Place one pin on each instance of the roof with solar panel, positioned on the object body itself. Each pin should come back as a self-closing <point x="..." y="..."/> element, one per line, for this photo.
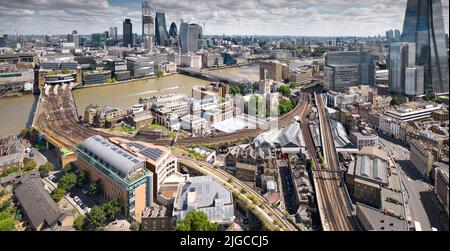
<point x="120" y="161"/>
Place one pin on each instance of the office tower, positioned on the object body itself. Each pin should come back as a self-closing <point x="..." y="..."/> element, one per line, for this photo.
<point x="127" y="33"/>
<point x="122" y="175"/>
<point x="188" y="37"/>
<point x="397" y="36"/>
<point x="113" y="32"/>
<point x="148" y="30"/>
<point x="98" y="39"/>
<point x="424" y="26"/>
<point x="173" y="31"/>
<point x="274" y="70"/>
<point x="161" y="29"/>
<point x="74" y="38"/>
<point x="389" y="36"/>
<point x="404" y="75"/>
<point x="348" y="68"/>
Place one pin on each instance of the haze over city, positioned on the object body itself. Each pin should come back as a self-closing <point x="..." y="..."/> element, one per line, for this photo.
<point x="230" y="17"/>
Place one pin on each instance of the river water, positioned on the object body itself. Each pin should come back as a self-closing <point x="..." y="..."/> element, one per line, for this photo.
<point x="15" y="112"/>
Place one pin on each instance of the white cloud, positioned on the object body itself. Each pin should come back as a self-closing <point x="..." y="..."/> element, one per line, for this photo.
<point x="276" y="17"/>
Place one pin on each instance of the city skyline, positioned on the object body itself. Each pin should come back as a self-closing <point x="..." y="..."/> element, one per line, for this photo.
<point x="259" y="17"/>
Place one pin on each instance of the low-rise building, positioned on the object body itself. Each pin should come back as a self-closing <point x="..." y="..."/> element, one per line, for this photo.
<point x="208" y="154"/>
<point x="10" y="152"/>
<point x="38" y="206"/>
<point x="96" y="77"/>
<point x="158" y="159"/>
<point x="204" y="194"/>
<point x="366" y="175"/>
<point x="361" y="139"/>
<point x="421" y="157"/>
<point x="121" y="173"/>
<point x="191" y="61"/>
<point x="441" y="185"/>
<point x="139" y="120"/>
<point x="140" y="66"/>
<point x="108" y="117"/>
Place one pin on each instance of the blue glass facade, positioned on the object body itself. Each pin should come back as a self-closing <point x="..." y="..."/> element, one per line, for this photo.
<point x="424" y="25"/>
<point x="161" y="29"/>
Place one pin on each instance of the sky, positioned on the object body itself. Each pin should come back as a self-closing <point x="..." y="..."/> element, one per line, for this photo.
<point x="231" y="17"/>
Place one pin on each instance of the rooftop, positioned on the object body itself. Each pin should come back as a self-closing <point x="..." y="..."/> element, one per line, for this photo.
<point x="117" y="159"/>
<point x="36" y="202"/>
<point x="207" y="195"/>
<point x="380" y="221"/>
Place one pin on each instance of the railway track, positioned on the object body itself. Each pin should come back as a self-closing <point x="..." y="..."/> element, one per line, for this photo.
<point x="338" y="214"/>
<point x="241" y="185"/>
<point x="57" y="119"/>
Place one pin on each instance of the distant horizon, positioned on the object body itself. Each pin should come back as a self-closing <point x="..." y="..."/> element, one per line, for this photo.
<point x="319" y="18"/>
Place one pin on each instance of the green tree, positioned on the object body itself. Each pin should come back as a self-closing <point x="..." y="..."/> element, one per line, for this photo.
<point x="45" y="169"/>
<point x="285" y="106"/>
<point x="68" y="181"/>
<point x="196" y="221"/>
<point x="159" y="73"/>
<point x="284" y="90"/>
<point x="111" y="209"/>
<point x="68" y="168"/>
<point x="29" y="164"/>
<point x="10" y="170"/>
<point x="96" y="217"/>
<point x="58" y="194"/>
<point x="235" y="90"/>
<point x="82" y="179"/>
<point x="79" y="223"/>
<point x="7" y="224"/>
<point x="95" y="188"/>
<point x="135" y="226"/>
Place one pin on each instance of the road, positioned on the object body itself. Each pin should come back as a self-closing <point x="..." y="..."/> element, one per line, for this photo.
<point x="422" y="205"/>
<point x="336" y="207"/>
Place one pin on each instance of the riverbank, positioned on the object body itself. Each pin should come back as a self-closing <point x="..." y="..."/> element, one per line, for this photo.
<point x="125" y="81"/>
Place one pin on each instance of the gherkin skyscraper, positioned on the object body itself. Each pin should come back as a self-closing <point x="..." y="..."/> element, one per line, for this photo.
<point x="424" y="26"/>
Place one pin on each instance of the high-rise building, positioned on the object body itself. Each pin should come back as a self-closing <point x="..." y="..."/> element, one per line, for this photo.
<point x="74" y="38"/>
<point x="405" y="77"/>
<point x="173" y="31"/>
<point x="424" y="26"/>
<point x="113" y="33"/>
<point x="148" y="28"/>
<point x="389" y="36"/>
<point x="348" y="68"/>
<point x="161" y="29"/>
<point x="188" y="37"/>
<point x="127" y="33"/>
<point x="98" y="39"/>
<point x="397" y="36"/>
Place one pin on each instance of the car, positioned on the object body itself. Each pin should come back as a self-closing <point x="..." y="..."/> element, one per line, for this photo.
<point x="76" y="198"/>
<point x="83" y="206"/>
<point x="72" y="195"/>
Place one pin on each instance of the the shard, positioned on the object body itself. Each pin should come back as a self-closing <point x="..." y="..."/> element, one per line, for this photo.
<point x="424" y="25"/>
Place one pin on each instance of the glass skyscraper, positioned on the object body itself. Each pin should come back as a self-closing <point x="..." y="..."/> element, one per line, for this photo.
<point x="148" y="30"/>
<point x="348" y="68"/>
<point x="173" y="31"/>
<point x="189" y="35"/>
<point x="127" y="33"/>
<point x="161" y="29"/>
<point x="424" y="26"/>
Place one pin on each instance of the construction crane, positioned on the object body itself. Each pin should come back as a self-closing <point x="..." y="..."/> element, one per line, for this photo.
<point x="204" y="23"/>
